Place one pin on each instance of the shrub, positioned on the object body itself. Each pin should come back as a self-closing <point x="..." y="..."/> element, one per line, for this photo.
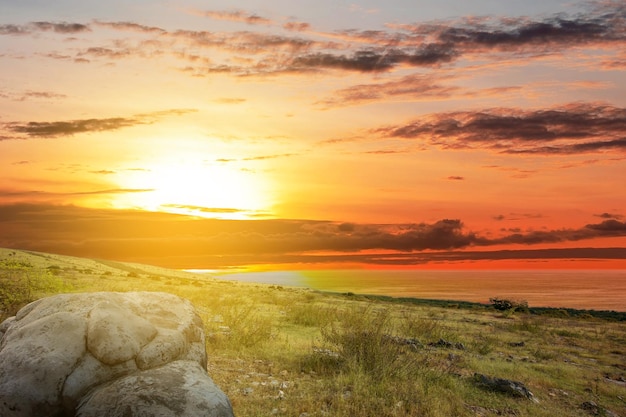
<point x="364" y="339"/>
<point x="422" y="328"/>
<point x="246" y="328"/>
<point x="504" y="304"/>
<point x="310" y="314"/>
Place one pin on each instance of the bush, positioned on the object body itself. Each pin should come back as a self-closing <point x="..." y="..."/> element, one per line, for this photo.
<point x="504" y="304"/>
<point x="310" y="314"/>
<point x="243" y="327"/>
<point x="364" y="340"/>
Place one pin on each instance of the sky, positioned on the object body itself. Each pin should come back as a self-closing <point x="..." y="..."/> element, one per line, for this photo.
<point x="306" y="135"/>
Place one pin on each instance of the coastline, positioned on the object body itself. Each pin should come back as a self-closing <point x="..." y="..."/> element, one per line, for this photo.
<point x="581" y="290"/>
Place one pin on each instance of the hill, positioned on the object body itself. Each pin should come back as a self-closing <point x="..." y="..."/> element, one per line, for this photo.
<point x="297" y="352"/>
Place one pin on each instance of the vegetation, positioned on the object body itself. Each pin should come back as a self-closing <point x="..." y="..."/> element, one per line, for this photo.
<point x="504" y="304"/>
<point x="21" y="283"/>
<point x="295" y="352"/>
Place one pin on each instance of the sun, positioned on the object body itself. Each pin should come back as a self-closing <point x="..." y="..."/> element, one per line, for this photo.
<point x="188" y="186"/>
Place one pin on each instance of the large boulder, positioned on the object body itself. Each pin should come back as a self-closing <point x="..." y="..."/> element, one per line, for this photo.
<point x="113" y="354"/>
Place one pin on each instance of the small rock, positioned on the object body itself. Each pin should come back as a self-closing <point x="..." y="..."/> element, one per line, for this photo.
<point x="595" y="410"/>
<point x="445" y="344"/>
<point x="506" y="386"/>
<point x="413" y="343"/>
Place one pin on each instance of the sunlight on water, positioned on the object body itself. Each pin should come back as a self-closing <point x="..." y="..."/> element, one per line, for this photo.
<point x="583" y="289"/>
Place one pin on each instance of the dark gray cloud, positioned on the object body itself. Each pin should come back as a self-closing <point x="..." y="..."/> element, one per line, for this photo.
<point x="61" y="27"/>
<point x="10" y="29"/>
<point x="573" y="128"/>
<point x="377" y="60"/>
<point x="101" y="52"/>
<point x="57" y="27"/>
<point x="73" y="127"/>
<point x="430" y="44"/>
<point x="607" y="228"/>
<point x="130" y="26"/>
<point x="617" y="144"/>
<point x="68" y="128"/>
<point x="507" y="33"/>
<point x="31" y="95"/>
<point x="606" y="215"/>
<point x="42" y="95"/>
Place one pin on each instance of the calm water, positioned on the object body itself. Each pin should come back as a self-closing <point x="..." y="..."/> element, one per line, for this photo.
<point x="582" y="289"/>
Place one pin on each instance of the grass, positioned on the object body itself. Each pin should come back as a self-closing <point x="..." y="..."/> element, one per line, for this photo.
<point x="296" y="352"/>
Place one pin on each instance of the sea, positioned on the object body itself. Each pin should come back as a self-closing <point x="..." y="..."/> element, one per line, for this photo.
<point x="578" y="289"/>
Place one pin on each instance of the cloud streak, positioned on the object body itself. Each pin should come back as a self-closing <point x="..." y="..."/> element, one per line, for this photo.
<point x="74" y="127"/>
<point x="56" y="27"/>
<point x="569" y="129"/>
<point x="415" y="87"/>
<point x="236" y="16"/>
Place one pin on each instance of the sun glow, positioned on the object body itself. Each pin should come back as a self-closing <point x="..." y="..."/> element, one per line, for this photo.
<point x="197" y="188"/>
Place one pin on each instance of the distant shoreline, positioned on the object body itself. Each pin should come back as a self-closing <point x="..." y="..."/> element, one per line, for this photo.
<point x="563" y="312"/>
<point x="582" y="291"/>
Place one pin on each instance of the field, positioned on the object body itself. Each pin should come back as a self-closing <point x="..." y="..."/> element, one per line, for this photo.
<point x="287" y="351"/>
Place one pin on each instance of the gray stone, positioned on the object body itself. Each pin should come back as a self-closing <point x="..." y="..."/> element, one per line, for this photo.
<point x="89" y="373"/>
<point x="35" y="361"/>
<point x="506" y="386"/>
<point x="166" y="347"/>
<point x="131" y="354"/>
<point x="180" y="388"/>
<point x="4" y="326"/>
<point x="116" y="335"/>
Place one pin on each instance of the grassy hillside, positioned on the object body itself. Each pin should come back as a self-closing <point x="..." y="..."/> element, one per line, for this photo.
<point x="296" y="352"/>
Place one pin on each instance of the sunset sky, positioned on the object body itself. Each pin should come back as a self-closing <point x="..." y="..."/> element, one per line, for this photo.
<point x="312" y="134"/>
